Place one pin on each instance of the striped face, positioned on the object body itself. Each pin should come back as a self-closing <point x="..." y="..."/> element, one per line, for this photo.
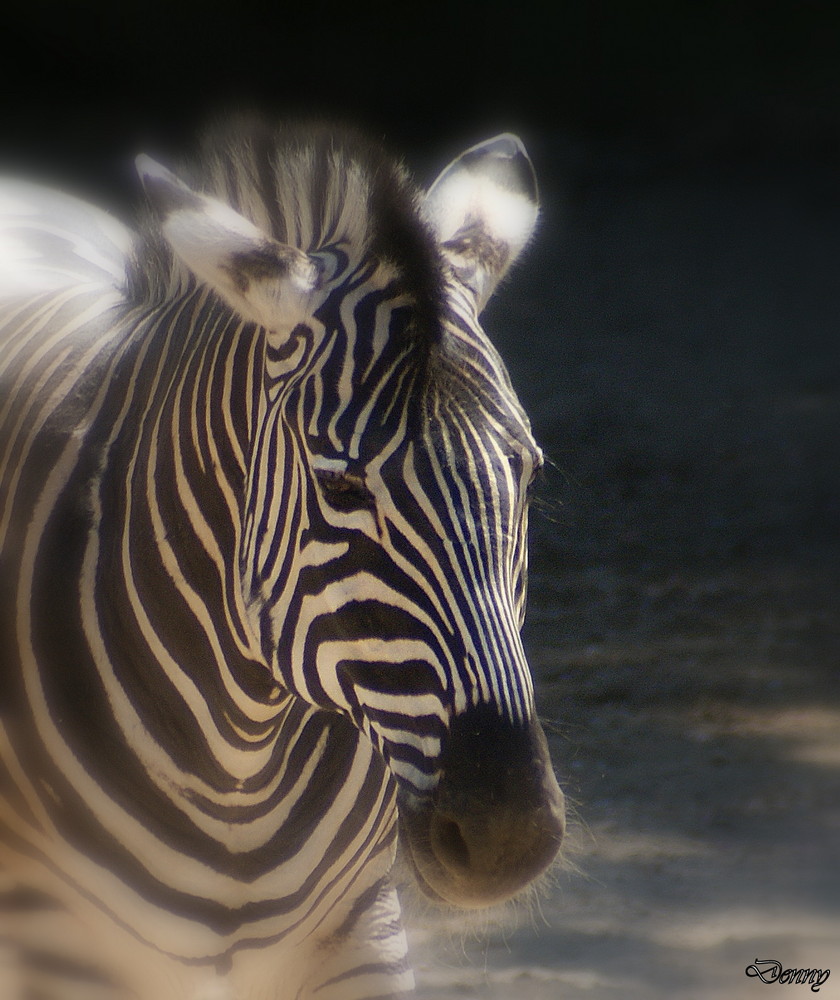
<point x="402" y="601"/>
<point x="383" y="550"/>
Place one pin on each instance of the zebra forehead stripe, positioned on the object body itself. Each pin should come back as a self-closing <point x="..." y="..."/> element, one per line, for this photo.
<point x="314" y="188"/>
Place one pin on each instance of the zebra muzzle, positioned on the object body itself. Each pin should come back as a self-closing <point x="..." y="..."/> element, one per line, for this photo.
<point x="496" y="818"/>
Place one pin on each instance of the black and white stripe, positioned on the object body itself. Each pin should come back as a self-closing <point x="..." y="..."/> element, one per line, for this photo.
<point x="264" y="497"/>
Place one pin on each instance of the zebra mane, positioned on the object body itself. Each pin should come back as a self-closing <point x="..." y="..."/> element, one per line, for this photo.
<point x="308" y="186"/>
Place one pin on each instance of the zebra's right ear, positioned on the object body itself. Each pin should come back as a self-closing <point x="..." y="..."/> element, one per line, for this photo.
<point x="265" y="281"/>
<point x="483" y="210"/>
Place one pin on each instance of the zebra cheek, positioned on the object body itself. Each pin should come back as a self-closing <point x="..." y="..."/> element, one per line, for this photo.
<point x="401" y="708"/>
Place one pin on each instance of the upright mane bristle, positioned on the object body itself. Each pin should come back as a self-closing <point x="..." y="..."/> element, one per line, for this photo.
<point x="312" y="186"/>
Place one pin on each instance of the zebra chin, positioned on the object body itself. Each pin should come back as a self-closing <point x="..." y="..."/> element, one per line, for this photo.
<point x="495" y="820"/>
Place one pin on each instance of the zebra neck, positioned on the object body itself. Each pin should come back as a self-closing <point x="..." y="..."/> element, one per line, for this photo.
<point x="172" y="497"/>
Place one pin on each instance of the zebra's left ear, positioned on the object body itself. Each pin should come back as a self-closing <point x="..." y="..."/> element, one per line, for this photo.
<point x="483" y="210"/>
<point x="265" y="281"/>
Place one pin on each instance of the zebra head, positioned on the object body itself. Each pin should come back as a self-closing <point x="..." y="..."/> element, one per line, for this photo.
<point x="383" y="541"/>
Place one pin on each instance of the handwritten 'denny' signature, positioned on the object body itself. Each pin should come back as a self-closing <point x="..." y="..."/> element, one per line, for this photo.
<point x="768" y="970"/>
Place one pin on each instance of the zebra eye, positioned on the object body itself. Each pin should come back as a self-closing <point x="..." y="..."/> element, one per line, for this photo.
<point x="344" y="491"/>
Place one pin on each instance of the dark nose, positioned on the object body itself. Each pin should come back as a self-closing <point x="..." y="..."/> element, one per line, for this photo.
<point x="496" y="818"/>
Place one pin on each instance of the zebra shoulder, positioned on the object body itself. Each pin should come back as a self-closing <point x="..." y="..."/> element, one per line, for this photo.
<point x="51" y="240"/>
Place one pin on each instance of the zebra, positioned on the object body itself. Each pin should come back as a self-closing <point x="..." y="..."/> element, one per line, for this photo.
<point x="265" y="484"/>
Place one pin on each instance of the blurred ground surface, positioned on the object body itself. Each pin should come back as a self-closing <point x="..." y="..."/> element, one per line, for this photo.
<point x="674" y="336"/>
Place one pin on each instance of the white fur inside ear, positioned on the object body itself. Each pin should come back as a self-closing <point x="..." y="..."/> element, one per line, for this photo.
<point x="266" y="282"/>
<point x="203" y="241"/>
<point x="457" y="201"/>
<point x="226" y="219"/>
<point x="483" y="209"/>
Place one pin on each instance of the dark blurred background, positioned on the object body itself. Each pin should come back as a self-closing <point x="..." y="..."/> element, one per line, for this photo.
<point x="85" y="83"/>
<point x="673" y="329"/>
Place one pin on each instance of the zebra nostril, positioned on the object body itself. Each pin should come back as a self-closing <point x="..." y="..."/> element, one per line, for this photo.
<point x="448" y="844"/>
